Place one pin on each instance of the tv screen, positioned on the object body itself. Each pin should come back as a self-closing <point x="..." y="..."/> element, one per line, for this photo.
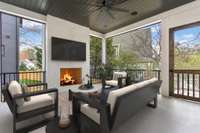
<point x="68" y="50"/>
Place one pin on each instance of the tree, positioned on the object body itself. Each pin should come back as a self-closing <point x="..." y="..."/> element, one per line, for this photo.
<point x="31" y="54"/>
<point x="187" y="53"/>
<point x="135" y="48"/>
<point x="95" y="53"/>
<point x="147" y="44"/>
<point x="31" y="38"/>
<point x="110" y="52"/>
<point x="39" y="57"/>
<point x="23" y="67"/>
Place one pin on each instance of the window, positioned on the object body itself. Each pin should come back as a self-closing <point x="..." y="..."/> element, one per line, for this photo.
<point x="137" y="49"/>
<point x="22" y="49"/>
<point x="31" y="45"/>
<point x="187" y="48"/>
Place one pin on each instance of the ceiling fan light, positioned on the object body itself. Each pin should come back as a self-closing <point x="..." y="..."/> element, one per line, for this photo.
<point x="134" y="13"/>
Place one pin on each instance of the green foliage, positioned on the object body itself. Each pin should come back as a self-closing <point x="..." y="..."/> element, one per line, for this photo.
<point x="95" y="54"/>
<point x="23" y="67"/>
<point x="29" y="81"/>
<point x="190" y="61"/>
<point x="31" y="54"/>
<point x="39" y="57"/>
<point x="95" y="51"/>
<point x="123" y="61"/>
<point x="110" y="52"/>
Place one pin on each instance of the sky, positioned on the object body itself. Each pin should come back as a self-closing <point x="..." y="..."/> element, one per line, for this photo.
<point x="191" y="35"/>
<point x="32" y="32"/>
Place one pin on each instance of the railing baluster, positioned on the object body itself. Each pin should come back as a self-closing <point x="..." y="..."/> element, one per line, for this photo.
<point x="188" y="84"/>
<point x="34" y="77"/>
<point x="21" y="77"/>
<point x="199" y="85"/>
<point x="193" y="84"/>
<point x="38" y="77"/>
<point x="183" y="84"/>
<point x="1" y="89"/>
<point x="178" y="83"/>
<point x="4" y="78"/>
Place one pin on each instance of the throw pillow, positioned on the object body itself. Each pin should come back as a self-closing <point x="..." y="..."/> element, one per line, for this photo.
<point x="25" y="90"/>
<point x="15" y="89"/>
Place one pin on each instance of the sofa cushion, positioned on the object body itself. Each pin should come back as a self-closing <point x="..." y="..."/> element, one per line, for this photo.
<point x="35" y="103"/>
<point x="112" y="82"/>
<point x="115" y="82"/>
<point x="113" y="95"/>
<point x="90" y="112"/>
<point x="15" y="89"/>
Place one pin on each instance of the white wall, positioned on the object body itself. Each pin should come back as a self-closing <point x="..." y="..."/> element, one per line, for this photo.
<point x="64" y="29"/>
<point x="186" y="14"/>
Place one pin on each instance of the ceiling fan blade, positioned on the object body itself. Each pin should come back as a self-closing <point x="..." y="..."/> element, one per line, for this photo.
<point x="95" y="10"/>
<point x="110" y="14"/>
<point x="87" y="3"/>
<point x="98" y="15"/>
<point x="119" y="9"/>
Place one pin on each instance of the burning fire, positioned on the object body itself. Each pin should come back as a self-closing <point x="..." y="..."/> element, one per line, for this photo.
<point x="67" y="78"/>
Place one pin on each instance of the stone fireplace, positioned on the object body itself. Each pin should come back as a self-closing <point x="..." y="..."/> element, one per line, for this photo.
<point x="70" y="76"/>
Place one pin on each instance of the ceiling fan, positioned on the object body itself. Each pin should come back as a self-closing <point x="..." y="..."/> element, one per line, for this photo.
<point x="108" y="6"/>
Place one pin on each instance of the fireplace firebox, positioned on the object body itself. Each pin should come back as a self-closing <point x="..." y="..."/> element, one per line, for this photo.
<point x="70" y="76"/>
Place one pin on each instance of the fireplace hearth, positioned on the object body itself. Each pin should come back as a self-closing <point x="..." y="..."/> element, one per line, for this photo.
<point x="70" y="76"/>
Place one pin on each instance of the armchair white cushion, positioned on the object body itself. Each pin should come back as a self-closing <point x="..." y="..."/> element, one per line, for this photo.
<point x="112" y="82"/>
<point x="116" y="75"/>
<point x="15" y="89"/>
<point x="35" y="103"/>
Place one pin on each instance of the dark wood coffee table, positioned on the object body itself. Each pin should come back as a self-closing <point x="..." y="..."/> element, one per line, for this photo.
<point x="52" y="127"/>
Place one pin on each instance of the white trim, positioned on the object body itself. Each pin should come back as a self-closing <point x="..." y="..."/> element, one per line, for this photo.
<point x="22" y="16"/>
<point x="103" y="56"/>
<point x="96" y="36"/>
<point x="21" y="12"/>
<point x="136" y="28"/>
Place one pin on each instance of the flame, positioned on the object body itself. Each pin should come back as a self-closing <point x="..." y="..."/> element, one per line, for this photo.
<point x="67" y="76"/>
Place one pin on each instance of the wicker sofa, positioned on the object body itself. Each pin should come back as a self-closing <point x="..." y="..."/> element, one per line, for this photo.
<point x="93" y="116"/>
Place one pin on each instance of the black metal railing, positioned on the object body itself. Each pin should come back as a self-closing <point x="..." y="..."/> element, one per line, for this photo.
<point x="29" y="78"/>
<point x="135" y="74"/>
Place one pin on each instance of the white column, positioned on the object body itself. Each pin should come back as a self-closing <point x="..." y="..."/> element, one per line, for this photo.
<point x="104" y="50"/>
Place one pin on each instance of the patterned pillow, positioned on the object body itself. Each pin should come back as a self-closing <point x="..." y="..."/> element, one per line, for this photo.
<point x="15" y="89"/>
<point x="25" y="90"/>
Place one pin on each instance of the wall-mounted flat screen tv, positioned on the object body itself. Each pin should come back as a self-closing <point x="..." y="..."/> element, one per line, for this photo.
<point x="68" y="50"/>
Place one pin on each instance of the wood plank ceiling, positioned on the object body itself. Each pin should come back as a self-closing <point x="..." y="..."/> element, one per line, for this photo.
<point x="84" y="12"/>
